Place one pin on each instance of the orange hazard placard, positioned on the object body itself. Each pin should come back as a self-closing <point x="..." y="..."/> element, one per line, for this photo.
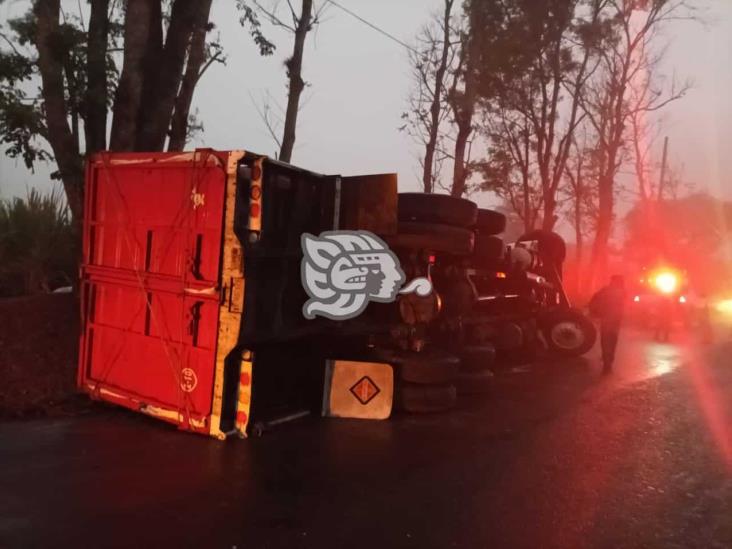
<point x="358" y="389"/>
<point x="365" y="390"/>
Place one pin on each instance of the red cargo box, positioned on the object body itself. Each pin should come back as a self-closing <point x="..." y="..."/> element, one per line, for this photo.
<point x="166" y="236"/>
<point x="162" y="288"/>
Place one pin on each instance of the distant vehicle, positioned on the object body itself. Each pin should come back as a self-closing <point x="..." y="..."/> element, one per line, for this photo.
<point x="662" y="290"/>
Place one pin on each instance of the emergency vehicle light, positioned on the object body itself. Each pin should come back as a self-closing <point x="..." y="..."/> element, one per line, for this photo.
<point x="666" y="282"/>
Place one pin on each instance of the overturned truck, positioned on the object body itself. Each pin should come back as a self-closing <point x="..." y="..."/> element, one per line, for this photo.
<point x="500" y="302"/>
<point x="195" y="311"/>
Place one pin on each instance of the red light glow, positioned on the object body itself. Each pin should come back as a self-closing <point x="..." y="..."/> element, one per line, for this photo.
<point x="666" y="281"/>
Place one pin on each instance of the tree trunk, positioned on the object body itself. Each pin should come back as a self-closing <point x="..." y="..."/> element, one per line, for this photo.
<point x="140" y="23"/>
<point x="578" y="236"/>
<point x="196" y="58"/>
<point x="163" y="79"/>
<point x="436" y="106"/>
<point x="466" y="105"/>
<point x="50" y="66"/>
<point x="95" y="119"/>
<point x="604" y="228"/>
<point x="295" y="84"/>
<point x="72" y="101"/>
<point x="550" y="208"/>
<point x="460" y="171"/>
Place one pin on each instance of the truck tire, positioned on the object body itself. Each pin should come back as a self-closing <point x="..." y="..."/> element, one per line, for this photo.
<point x="568" y="333"/>
<point x="425" y="399"/>
<point x="510" y="336"/>
<point x="488" y="251"/>
<point x="527" y="352"/>
<point x="475" y="383"/>
<point x="436" y="208"/>
<point x="432" y="237"/>
<point x="477" y="358"/>
<point x="424" y="369"/>
<point x="490" y="222"/>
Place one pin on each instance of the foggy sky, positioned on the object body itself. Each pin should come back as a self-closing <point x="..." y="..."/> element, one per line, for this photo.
<point x="359" y="82"/>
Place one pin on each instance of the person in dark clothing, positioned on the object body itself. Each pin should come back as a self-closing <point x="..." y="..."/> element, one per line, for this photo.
<point x="705" y="321"/>
<point x="608" y="306"/>
<point x="664" y="318"/>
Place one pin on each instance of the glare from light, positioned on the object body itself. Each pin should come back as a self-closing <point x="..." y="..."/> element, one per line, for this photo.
<point x="682" y="299"/>
<point x="637" y="299"/>
<point x="724" y="307"/>
<point x="662" y="367"/>
<point x="667" y="282"/>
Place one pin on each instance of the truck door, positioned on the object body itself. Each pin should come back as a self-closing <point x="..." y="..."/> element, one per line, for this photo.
<point x="150" y="288"/>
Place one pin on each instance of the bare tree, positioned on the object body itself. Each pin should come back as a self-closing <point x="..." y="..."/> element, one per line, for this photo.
<point x="299" y="24"/>
<point x="437" y="49"/>
<point x="579" y="193"/>
<point x="201" y="55"/>
<point x="621" y="92"/>
<point x="579" y="201"/>
<point x="270" y="117"/>
<point x="534" y="67"/>
<point x="437" y="91"/>
<point x="511" y="171"/>
<point x="462" y="96"/>
<point x="563" y="64"/>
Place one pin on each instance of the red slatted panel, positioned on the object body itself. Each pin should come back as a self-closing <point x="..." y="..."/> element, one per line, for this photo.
<point x="152" y="237"/>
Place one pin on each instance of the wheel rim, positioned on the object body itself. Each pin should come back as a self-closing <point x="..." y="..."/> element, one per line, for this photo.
<point x="567" y="335"/>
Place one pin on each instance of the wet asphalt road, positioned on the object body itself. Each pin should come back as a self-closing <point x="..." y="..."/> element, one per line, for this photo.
<point x="558" y="456"/>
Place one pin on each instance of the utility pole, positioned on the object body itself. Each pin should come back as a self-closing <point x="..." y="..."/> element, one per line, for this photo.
<point x="663" y="169"/>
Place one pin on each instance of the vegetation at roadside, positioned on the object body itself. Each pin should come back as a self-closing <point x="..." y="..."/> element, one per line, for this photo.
<point x="38" y="248"/>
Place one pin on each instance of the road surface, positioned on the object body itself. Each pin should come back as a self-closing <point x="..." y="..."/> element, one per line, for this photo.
<point x="558" y="456"/>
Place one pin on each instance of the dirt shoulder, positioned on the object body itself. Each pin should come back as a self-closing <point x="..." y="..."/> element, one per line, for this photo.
<point x="39" y="339"/>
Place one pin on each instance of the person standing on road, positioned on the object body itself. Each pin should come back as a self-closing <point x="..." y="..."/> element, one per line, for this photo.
<point x="705" y="321"/>
<point x="664" y="318"/>
<point x="608" y="306"/>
